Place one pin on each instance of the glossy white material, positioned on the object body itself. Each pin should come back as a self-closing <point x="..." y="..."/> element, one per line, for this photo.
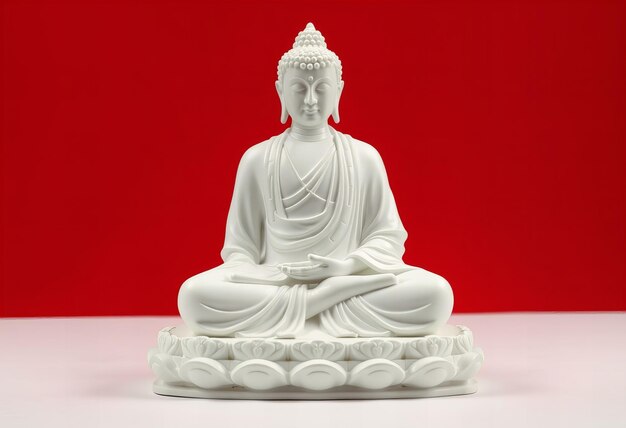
<point x="313" y="248"/>
<point x="315" y="365"/>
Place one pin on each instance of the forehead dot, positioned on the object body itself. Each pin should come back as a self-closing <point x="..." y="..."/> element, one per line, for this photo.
<point x="310" y="78"/>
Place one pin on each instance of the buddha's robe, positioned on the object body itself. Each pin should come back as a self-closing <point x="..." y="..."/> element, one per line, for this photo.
<point x="358" y="218"/>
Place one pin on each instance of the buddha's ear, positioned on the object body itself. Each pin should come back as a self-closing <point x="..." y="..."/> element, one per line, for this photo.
<point x="336" y="109"/>
<point x="283" y="109"/>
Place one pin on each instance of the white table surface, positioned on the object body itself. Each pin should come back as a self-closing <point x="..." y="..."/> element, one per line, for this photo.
<point x="542" y="369"/>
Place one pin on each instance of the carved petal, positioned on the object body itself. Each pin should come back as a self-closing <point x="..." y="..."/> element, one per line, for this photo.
<point x="318" y="375"/>
<point x="429" y="372"/>
<point x="205" y="373"/>
<point x="376" y="348"/>
<point x="317" y="349"/>
<point x="259" y="375"/>
<point x="202" y="346"/>
<point x="376" y="374"/>
<point x="164" y="367"/>
<point x="464" y="342"/>
<point x="168" y="343"/>
<point x="430" y="346"/>
<point x="468" y="365"/>
<point x="259" y="349"/>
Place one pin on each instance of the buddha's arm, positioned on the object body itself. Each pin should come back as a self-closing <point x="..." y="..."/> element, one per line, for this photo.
<point x="244" y="226"/>
<point x="383" y="235"/>
<point x="243" y="243"/>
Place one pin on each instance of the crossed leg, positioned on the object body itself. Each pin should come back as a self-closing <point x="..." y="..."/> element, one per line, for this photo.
<point x="210" y="304"/>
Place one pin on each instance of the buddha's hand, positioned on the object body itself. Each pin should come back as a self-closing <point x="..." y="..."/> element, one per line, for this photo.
<point x="318" y="268"/>
<point x="259" y="274"/>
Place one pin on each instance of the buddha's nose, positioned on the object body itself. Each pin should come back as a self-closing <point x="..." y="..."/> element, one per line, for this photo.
<point x="310" y="98"/>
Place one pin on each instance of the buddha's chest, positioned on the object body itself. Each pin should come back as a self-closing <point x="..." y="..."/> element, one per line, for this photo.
<point x="306" y="179"/>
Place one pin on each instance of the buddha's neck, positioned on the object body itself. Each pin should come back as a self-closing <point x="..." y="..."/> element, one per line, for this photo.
<point x="298" y="133"/>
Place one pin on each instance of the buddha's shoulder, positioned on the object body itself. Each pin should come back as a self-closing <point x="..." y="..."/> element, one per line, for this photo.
<point x="365" y="152"/>
<point x="255" y="154"/>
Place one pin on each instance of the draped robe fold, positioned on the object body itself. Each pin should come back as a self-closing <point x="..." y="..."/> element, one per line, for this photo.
<point x="359" y="219"/>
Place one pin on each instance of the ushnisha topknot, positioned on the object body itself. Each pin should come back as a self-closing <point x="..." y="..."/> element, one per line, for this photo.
<point x="309" y="52"/>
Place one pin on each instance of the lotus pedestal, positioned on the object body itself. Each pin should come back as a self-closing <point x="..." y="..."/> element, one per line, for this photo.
<point x="318" y="367"/>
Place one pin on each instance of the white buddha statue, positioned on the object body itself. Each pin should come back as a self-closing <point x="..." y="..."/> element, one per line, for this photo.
<point x="313" y="240"/>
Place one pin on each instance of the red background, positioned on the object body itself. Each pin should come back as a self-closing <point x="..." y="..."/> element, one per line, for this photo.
<point x="502" y="126"/>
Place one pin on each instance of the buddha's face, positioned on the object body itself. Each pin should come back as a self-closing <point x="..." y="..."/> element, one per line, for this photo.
<point x="310" y="96"/>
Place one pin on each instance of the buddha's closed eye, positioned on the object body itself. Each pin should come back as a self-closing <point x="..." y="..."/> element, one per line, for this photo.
<point x="322" y="87"/>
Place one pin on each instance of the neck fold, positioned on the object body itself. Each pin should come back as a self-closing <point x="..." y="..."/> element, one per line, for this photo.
<point x="309" y="134"/>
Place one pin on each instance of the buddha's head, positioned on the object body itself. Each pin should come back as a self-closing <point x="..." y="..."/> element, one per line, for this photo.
<point x="309" y="81"/>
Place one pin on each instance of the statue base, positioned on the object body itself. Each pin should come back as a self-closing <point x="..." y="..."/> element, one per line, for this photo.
<point x="292" y="393"/>
<point x="315" y="366"/>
